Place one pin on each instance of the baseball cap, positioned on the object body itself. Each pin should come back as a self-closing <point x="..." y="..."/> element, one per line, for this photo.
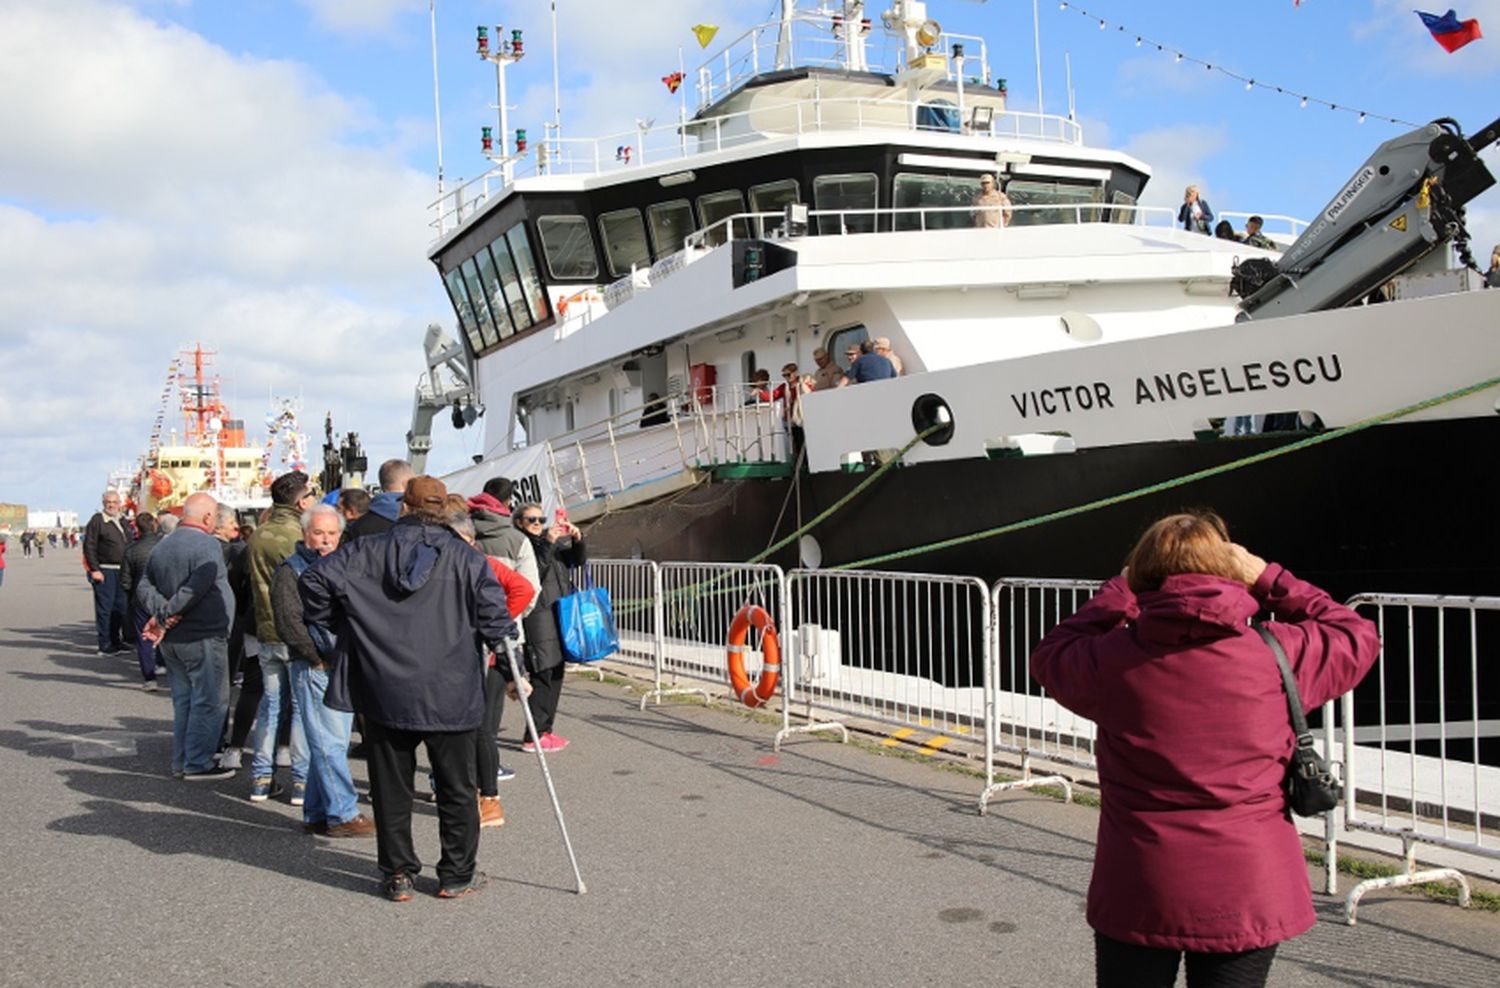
<point x="425" y="492"/>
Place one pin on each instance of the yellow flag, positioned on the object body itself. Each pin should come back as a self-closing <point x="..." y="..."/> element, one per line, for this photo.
<point x="705" y="33"/>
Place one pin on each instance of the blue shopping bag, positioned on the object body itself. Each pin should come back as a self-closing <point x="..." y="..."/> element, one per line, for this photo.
<point x="586" y="618"/>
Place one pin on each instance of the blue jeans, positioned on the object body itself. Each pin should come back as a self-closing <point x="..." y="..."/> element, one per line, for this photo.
<point x="145" y="652"/>
<point x="109" y="610"/>
<point x="200" y="696"/>
<point x="330" y="788"/>
<point x="276" y="676"/>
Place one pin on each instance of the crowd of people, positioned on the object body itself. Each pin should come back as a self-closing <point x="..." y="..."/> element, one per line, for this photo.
<point x="38" y="542"/>
<point x="390" y="609"/>
<point x="382" y="614"/>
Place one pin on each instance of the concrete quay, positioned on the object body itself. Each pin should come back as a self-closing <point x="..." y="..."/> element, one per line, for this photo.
<point x="709" y="859"/>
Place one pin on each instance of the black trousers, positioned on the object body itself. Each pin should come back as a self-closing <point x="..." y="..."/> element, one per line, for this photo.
<point x="1126" y="965"/>
<point x="546" y="691"/>
<point x="392" y="757"/>
<point x="486" y="756"/>
<point x="247" y="705"/>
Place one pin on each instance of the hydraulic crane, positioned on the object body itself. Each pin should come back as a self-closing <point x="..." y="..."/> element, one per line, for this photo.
<point x="1404" y="202"/>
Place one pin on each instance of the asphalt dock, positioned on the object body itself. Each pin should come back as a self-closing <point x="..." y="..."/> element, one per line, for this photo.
<point x="709" y="859"/>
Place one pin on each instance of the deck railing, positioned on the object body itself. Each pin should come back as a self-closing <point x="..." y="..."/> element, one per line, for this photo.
<point x="674" y="140"/>
<point x="710" y="426"/>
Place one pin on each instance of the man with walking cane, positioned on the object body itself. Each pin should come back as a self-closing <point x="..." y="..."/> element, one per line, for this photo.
<point x="414" y="608"/>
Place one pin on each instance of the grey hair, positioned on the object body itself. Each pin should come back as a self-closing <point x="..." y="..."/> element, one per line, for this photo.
<point x="462" y="525"/>
<point x="311" y="515"/>
<point x="166" y="521"/>
<point x="225" y="515"/>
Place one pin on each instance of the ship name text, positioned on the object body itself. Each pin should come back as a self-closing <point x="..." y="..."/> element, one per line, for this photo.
<point x="1205" y="382"/>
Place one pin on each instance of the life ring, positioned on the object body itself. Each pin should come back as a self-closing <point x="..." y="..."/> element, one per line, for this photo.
<point x="759" y="692"/>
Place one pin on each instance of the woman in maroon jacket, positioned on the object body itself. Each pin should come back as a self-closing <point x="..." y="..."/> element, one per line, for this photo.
<point x="1197" y="852"/>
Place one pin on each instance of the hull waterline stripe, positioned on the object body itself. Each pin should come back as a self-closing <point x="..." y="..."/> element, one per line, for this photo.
<point x="1165" y="485"/>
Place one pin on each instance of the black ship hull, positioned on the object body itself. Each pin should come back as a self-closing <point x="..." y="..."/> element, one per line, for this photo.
<point x="1402" y="508"/>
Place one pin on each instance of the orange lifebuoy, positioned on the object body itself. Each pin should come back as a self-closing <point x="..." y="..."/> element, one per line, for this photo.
<point x="759" y="692"/>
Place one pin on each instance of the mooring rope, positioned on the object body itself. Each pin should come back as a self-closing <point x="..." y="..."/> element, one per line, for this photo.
<point x="1165" y="485"/>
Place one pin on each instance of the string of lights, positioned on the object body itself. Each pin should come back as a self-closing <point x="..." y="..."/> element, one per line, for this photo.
<point x="1250" y="82"/>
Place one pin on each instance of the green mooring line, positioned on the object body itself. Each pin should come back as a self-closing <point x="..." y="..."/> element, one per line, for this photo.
<point x="1301" y="444"/>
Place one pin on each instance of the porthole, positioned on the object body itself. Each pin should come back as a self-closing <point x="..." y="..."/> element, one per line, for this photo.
<point x="928" y="411"/>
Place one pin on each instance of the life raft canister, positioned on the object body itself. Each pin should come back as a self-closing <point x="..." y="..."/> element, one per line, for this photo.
<point x="757" y="693"/>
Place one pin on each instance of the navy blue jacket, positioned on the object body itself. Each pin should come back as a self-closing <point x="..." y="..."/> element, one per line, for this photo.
<point x="185" y="576"/>
<point x="413" y="609"/>
<point x="871" y="367"/>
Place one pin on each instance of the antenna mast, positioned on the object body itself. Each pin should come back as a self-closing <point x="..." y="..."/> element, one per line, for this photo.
<point x="437" y="104"/>
<point x="1036" y="31"/>
<point x="556" y="89"/>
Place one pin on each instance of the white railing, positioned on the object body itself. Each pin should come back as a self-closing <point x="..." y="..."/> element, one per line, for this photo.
<point x="1412" y="738"/>
<point x="906" y="219"/>
<point x="904" y="649"/>
<point x="712" y="426"/>
<point x="679" y="140"/>
<point x="697" y="603"/>
<point x="1022" y="719"/>
<point x="947" y="657"/>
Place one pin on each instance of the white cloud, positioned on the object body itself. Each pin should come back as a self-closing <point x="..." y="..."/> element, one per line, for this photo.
<point x="164" y="190"/>
<point x="362" y="16"/>
<point x="1178" y="156"/>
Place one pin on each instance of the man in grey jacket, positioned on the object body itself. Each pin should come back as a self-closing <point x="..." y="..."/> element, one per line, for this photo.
<point x="185" y="592"/>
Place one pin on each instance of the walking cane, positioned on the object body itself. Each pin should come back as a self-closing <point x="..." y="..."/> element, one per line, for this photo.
<point x="511" y="653"/>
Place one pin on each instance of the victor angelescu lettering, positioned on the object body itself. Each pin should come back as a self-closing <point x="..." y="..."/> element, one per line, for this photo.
<point x="1175" y="385"/>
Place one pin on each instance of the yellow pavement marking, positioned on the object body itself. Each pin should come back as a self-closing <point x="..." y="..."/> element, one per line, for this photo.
<point x="897" y="736"/>
<point x="933" y="744"/>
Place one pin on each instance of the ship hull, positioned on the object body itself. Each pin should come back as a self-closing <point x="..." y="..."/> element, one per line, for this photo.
<point x="1400" y="508"/>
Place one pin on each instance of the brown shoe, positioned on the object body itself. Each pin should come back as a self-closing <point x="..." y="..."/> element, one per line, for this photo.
<point x="360" y="826"/>
<point x="490" y="813"/>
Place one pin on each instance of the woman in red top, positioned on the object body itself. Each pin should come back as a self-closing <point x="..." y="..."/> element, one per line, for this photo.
<point x="518" y="594"/>
<point x="1197" y="852"/>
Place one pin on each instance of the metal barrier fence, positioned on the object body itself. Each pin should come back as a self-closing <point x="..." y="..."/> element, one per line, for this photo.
<point x="1021" y="717"/>
<point x="696" y="602"/>
<point x="899" y="648"/>
<point x="633" y="592"/>
<point x="1421" y="736"/>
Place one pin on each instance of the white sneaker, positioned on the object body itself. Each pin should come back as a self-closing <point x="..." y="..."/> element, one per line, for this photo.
<point x="230" y="758"/>
<point x="283" y="756"/>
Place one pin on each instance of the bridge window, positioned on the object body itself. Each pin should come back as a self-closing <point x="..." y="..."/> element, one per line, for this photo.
<point x="531" y="283"/>
<point x="481" y="307"/>
<point x="718" y="206"/>
<point x="670" y="222"/>
<point x="568" y="246"/>
<point x="459" y="294"/>
<point x="624" y="237"/>
<point x="1065" y="197"/>
<point x="514" y="302"/>
<point x="846" y="192"/>
<point x="952" y="195"/>
<point x="772" y="197"/>
<point x="1118" y="198"/>
<point x="494" y="292"/>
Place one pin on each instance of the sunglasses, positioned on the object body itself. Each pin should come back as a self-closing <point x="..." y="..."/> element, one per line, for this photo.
<point x="533" y="520"/>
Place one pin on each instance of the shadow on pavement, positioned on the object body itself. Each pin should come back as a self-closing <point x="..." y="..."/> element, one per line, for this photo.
<point x="954" y="833"/>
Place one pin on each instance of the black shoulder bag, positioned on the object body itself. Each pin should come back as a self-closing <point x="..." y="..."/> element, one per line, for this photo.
<point x="1311" y="788"/>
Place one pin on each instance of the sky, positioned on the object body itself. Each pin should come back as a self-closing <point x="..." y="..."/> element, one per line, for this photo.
<point x="256" y="174"/>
